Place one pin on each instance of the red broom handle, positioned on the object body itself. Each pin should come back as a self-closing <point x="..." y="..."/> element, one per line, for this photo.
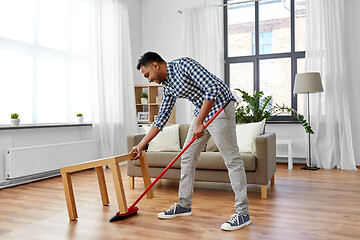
<point x="177" y="157"/>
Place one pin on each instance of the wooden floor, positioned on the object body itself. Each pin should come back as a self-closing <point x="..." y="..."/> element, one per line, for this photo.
<point x="322" y="204"/>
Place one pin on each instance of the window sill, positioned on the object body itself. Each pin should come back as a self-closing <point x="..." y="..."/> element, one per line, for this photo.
<point x="44" y="125"/>
<point x="283" y="122"/>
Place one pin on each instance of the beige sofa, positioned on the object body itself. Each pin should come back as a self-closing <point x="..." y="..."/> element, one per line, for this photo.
<point x="260" y="167"/>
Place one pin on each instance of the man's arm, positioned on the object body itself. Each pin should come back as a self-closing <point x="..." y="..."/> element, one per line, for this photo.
<point x="149" y="136"/>
<point x="163" y="116"/>
<point x="166" y="108"/>
<point x="198" y="131"/>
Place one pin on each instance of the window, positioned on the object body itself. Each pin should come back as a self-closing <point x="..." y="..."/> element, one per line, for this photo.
<point x="44" y="60"/>
<point x="265" y="47"/>
<point x="265" y="43"/>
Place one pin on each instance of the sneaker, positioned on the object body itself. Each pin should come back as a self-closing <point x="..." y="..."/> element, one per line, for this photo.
<point x="175" y="211"/>
<point x="236" y="222"/>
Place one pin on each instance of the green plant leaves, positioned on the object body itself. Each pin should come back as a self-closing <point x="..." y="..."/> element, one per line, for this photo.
<point x="14" y="116"/>
<point x="143" y="95"/>
<point x="256" y="112"/>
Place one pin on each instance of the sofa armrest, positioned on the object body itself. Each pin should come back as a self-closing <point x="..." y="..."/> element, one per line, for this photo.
<point x="133" y="140"/>
<point x="265" y="152"/>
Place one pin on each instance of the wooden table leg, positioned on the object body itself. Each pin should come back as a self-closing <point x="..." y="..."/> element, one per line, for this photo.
<point x="146" y="176"/>
<point x="102" y="186"/>
<point x="119" y="188"/>
<point x="131" y="182"/>
<point x="69" y="196"/>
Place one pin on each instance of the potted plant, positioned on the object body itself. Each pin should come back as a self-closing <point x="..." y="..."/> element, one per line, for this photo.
<point x="143" y="98"/>
<point x="80" y="118"/>
<point x="257" y="109"/>
<point x="15" y="121"/>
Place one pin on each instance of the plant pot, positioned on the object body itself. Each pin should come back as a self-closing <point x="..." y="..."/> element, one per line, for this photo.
<point x="15" y="122"/>
<point x="143" y="100"/>
<point x="80" y="119"/>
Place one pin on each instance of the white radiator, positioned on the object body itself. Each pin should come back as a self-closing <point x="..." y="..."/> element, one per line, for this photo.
<point x="21" y="162"/>
<point x="281" y="150"/>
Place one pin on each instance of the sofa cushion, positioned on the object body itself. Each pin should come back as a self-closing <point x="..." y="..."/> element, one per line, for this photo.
<point x="246" y="133"/>
<point x="166" y="140"/>
<point x="206" y="160"/>
<point x="183" y="131"/>
<point x="211" y="146"/>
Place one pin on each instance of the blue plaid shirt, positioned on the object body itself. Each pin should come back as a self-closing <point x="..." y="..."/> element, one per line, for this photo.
<point x="186" y="78"/>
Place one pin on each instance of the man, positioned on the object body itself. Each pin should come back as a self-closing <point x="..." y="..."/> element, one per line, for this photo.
<point x="186" y="78"/>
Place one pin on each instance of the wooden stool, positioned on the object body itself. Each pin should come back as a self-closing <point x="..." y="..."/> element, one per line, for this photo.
<point x="119" y="188"/>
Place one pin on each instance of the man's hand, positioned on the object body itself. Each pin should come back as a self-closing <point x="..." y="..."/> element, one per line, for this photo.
<point x="138" y="150"/>
<point x="149" y="136"/>
<point x="198" y="131"/>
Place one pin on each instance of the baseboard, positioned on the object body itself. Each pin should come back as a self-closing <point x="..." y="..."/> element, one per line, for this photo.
<point x="35" y="177"/>
<point x="295" y="160"/>
<point x="29" y="179"/>
<point x="285" y="163"/>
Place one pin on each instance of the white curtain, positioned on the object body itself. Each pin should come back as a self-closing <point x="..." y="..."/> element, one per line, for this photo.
<point x="114" y="113"/>
<point x="352" y="8"/>
<point x="332" y="144"/>
<point x="203" y="38"/>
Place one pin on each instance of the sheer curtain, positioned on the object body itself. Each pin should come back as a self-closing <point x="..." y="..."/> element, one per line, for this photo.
<point x="332" y="144"/>
<point x="114" y="114"/>
<point x="203" y="38"/>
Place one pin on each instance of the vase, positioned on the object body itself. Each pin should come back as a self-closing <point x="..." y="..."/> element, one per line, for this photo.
<point x="143" y="100"/>
<point x="80" y="119"/>
<point x="15" y="122"/>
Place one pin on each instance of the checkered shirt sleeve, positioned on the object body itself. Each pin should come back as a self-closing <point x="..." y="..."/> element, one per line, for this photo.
<point x="165" y="110"/>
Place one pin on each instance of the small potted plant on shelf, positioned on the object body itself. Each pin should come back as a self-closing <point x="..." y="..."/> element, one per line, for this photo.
<point x="143" y="98"/>
<point x="15" y="121"/>
<point x="80" y="118"/>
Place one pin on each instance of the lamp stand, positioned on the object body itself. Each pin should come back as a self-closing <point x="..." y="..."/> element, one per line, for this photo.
<point x="309" y="167"/>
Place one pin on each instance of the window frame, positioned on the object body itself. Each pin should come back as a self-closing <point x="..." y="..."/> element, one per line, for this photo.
<point x="255" y="59"/>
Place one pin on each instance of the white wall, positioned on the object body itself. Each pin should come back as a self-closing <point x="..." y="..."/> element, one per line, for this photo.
<point x="163" y="26"/>
<point x="134" y="10"/>
<point x="352" y="8"/>
<point x="163" y="32"/>
<point x="296" y="133"/>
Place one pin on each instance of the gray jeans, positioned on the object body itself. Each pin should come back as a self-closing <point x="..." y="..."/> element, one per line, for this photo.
<point x="223" y="131"/>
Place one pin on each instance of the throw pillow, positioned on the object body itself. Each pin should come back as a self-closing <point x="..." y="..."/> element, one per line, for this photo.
<point x="166" y="141"/>
<point x="246" y="133"/>
<point x="211" y="146"/>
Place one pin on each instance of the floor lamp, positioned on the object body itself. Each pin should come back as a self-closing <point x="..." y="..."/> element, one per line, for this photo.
<point x="309" y="82"/>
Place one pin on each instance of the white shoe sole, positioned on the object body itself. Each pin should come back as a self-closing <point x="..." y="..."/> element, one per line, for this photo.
<point x="163" y="216"/>
<point x="227" y="226"/>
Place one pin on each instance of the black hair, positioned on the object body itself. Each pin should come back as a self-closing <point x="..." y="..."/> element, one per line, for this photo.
<point x="149" y="57"/>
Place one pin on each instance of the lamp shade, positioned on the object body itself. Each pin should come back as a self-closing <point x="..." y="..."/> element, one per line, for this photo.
<point x="309" y="82"/>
